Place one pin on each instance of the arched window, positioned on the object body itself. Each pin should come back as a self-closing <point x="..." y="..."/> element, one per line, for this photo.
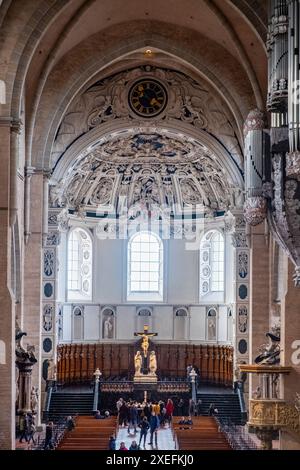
<point x="212" y="263"/>
<point x="80" y="253"/>
<point x="145" y="267"/>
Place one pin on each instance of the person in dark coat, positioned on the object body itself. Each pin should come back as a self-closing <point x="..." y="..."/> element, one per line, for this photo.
<point x="112" y="443"/>
<point x="144" y="430"/>
<point x="154" y="426"/>
<point x="49" y="436"/>
<point x="134" y="446"/>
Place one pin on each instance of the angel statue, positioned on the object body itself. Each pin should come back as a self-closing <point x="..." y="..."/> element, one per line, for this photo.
<point x="270" y="353"/>
<point x="152" y="363"/>
<point x="138" y="363"/>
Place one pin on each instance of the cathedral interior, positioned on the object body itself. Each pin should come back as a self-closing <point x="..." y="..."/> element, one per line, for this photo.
<point x="150" y="215"/>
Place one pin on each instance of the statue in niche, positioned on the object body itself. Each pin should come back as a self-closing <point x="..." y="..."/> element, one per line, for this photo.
<point x="211" y="328"/>
<point x="52" y="370"/>
<point x="138" y="363"/>
<point x="107" y="328"/>
<point x="152" y="363"/>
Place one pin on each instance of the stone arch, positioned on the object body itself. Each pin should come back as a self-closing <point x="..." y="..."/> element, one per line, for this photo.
<point x="89" y="139"/>
<point x="96" y="64"/>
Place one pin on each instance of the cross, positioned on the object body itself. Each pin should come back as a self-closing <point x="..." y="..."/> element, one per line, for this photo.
<point x="145" y="339"/>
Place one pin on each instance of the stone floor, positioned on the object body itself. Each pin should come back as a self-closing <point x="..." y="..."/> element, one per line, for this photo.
<point x="164" y="439"/>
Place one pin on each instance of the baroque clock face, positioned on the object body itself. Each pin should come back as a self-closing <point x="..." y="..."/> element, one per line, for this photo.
<point x="147" y="98"/>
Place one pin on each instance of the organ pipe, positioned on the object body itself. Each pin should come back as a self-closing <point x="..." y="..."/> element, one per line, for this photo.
<point x="293" y="157"/>
<point x="277" y="47"/>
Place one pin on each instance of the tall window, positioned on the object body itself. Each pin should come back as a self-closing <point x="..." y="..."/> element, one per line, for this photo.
<point x="145" y="267"/>
<point x="217" y="262"/>
<point x="79" y="265"/>
<point x="212" y="263"/>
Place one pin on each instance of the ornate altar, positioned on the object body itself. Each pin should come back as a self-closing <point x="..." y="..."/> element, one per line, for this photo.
<point x="145" y="367"/>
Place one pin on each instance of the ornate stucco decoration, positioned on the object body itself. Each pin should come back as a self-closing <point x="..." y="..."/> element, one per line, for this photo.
<point x="255" y="210"/>
<point x="293" y="165"/>
<point x="189" y="102"/>
<point x="285" y="211"/>
<point x="157" y="169"/>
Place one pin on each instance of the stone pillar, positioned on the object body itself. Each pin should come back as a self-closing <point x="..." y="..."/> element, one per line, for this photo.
<point x="25" y="373"/>
<point x="259" y="293"/>
<point x="241" y="278"/>
<point x="291" y="336"/>
<point x="7" y="316"/>
<point x="33" y="276"/>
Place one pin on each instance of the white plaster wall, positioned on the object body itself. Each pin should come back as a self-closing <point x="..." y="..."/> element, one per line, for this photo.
<point x="181" y="284"/>
<point x="126" y="316"/>
<point x="163" y="322"/>
<point x="108" y="271"/>
<point x="67" y="323"/>
<point x="197" y="325"/>
<point x="222" y="326"/>
<point x="91" y="330"/>
<point x="183" y="274"/>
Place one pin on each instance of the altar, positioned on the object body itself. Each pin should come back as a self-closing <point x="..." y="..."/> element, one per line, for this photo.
<point x="145" y="366"/>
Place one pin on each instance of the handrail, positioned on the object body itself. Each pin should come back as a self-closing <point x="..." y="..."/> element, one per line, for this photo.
<point x="239" y="388"/>
<point x="48" y="399"/>
<point x="59" y="431"/>
<point x="237" y="436"/>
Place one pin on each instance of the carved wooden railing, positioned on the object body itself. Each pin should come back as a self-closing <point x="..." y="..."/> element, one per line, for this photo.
<point x="77" y="362"/>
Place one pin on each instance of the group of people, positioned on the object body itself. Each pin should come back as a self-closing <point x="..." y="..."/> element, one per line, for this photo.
<point x="112" y="445"/>
<point x="105" y="415"/>
<point x="131" y="413"/>
<point x="143" y="418"/>
<point x="146" y="425"/>
<point x="27" y="428"/>
<point x="189" y="408"/>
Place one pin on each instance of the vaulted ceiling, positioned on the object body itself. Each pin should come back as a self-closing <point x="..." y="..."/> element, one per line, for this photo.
<point x="69" y="66"/>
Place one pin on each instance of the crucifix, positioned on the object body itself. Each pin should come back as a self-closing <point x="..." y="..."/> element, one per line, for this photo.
<point x="145" y="345"/>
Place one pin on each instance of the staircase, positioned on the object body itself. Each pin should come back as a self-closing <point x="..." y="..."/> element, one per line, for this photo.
<point x="204" y="434"/>
<point x="65" y="404"/>
<point x="89" y="434"/>
<point x="228" y="406"/>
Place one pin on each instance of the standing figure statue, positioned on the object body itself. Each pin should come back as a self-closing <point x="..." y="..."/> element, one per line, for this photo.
<point x="34" y="399"/>
<point x="138" y="363"/>
<point x="52" y="370"/>
<point x="152" y="363"/>
<point x="108" y="328"/>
